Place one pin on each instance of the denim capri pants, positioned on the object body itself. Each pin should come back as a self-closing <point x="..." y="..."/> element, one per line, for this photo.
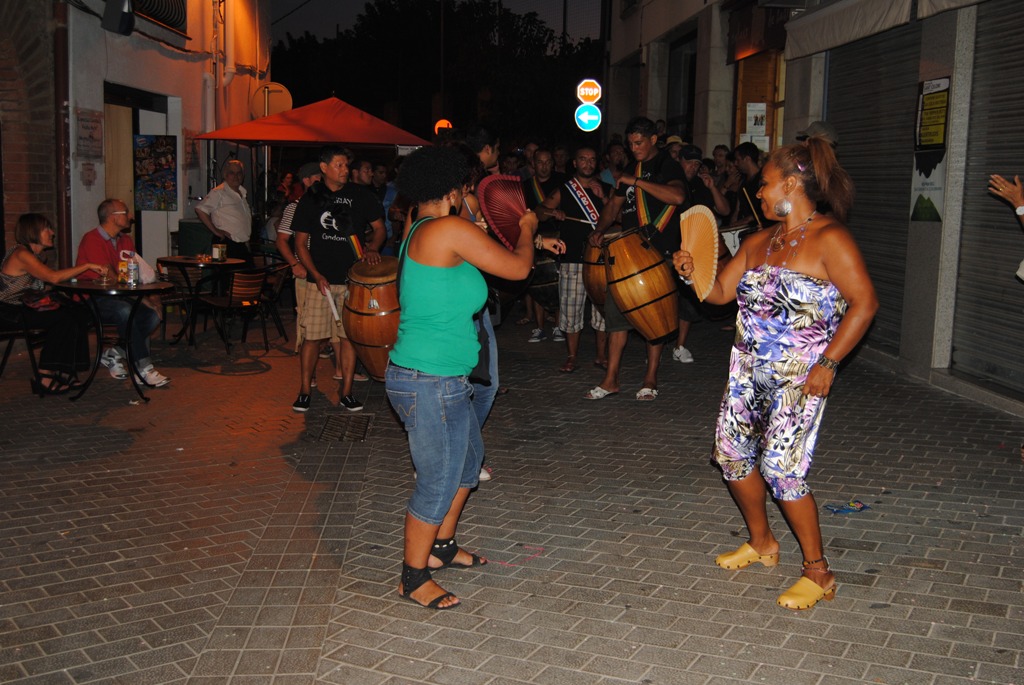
<point x="444" y="437"/>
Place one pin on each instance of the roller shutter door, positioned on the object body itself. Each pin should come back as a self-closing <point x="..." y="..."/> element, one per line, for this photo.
<point x="988" y="327"/>
<point x="872" y="100"/>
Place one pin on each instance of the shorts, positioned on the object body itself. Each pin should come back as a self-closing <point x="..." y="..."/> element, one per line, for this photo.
<point x="766" y="422"/>
<point x="572" y="301"/>
<point x="316" y="321"/>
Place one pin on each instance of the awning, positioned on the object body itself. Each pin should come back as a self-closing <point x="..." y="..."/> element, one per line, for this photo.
<point x="328" y="121"/>
<point x="926" y="8"/>
<point x="844" y="22"/>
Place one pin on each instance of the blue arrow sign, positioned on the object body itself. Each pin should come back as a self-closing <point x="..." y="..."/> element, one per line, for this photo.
<point x="588" y="117"/>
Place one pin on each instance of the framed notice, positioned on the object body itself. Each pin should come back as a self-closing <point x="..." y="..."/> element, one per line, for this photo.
<point x="156" y="173"/>
<point x="89" y="134"/>
<point x="928" y="182"/>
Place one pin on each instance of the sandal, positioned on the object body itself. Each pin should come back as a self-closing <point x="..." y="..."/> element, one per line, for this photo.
<point x="523" y="321"/>
<point x="601" y="364"/>
<point x="570" y="364"/>
<point x="805" y="593"/>
<point x="413" y="579"/>
<point x="447" y="550"/>
<point x="647" y="394"/>
<point x="53" y="384"/>
<point x="599" y="393"/>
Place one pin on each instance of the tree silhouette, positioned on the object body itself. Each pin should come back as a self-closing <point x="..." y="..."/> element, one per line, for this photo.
<point x="483" y="63"/>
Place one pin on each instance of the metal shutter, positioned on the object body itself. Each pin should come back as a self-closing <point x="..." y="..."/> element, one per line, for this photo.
<point x="872" y="100"/>
<point x="988" y="326"/>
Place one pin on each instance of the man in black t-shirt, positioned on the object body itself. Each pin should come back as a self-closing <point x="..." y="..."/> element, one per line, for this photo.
<point x="649" y="196"/>
<point x="330" y="222"/>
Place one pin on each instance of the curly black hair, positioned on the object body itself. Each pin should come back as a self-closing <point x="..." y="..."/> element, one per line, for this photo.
<point x="431" y="172"/>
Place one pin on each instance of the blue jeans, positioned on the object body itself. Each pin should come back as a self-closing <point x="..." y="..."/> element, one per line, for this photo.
<point x="483" y="395"/>
<point x="444" y="437"/>
<point x="115" y="310"/>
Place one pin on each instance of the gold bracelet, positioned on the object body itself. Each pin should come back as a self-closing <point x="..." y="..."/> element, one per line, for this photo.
<point x="828" y="363"/>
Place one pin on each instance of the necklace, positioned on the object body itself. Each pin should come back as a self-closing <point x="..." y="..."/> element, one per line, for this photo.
<point x="778" y="240"/>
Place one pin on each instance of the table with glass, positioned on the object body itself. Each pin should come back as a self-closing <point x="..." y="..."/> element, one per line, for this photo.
<point x="185" y="268"/>
<point x="89" y="290"/>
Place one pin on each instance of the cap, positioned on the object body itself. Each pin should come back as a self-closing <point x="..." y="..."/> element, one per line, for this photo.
<point x="822" y="129"/>
<point x="691" y="152"/>
<point x="673" y="139"/>
<point x="309" y="169"/>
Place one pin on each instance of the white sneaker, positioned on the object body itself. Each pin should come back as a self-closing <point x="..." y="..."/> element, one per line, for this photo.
<point x="114" y="363"/>
<point x="682" y="355"/>
<point x="485" y="473"/>
<point x="557" y="335"/>
<point x="151" y="376"/>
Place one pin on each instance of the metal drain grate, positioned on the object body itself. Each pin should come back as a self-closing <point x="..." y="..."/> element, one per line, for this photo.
<point x="351" y="428"/>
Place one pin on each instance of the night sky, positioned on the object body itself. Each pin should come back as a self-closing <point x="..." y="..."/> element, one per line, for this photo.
<point x="321" y="17"/>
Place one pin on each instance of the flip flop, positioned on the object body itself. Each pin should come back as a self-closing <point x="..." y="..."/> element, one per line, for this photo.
<point x="569" y="366"/>
<point x="599" y="393"/>
<point x="601" y="365"/>
<point x="646" y="394"/>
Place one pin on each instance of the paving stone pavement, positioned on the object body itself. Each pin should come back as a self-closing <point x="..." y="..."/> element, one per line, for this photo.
<point x="210" y="537"/>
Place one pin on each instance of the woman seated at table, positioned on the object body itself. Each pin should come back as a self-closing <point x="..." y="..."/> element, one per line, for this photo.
<point x="22" y="278"/>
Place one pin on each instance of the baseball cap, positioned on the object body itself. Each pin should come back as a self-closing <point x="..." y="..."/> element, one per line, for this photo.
<point x="671" y="140"/>
<point x="691" y="152"/>
<point x="309" y="169"/>
<point x="822" y="129"/>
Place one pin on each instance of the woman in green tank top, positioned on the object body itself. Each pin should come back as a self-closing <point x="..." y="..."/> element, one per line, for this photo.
<point x="440" y="288"/>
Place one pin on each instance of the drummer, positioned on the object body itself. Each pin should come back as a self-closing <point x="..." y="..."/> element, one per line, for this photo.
<point x="576" y="206"/>
<point x="649" y="195"/>
<point x="329" y="224"/>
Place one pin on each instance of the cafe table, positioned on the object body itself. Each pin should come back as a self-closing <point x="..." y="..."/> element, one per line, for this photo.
<point x="89" y="290"/>
<point x="186" y="266"/>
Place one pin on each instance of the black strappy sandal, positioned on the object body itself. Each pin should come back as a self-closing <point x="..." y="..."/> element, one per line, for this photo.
<point x="413" y="579"/>
<point x="447" y="549"/>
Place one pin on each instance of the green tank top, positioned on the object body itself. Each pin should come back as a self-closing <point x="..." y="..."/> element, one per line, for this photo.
<point x="436" y="334"/>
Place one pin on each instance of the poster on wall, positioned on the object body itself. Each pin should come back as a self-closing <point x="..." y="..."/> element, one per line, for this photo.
<point x="190" y="148"/>
<point x="928" y="185"/>
<point x="156" y="173"/>
<point x="89" y="134"/>
<point x="757" y="118"/>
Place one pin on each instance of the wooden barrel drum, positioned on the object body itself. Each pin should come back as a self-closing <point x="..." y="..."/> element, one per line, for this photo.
<point x="642" y="284"/>
<point x="371" y="313"/>
<point x="544" y="283"/>
<point x="595" y="276"/>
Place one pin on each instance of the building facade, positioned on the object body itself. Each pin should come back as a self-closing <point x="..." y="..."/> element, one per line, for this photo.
<point x="922" y="95"/>
<point x="97" y="101"/>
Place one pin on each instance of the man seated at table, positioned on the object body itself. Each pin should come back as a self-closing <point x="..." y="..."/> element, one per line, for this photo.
<point x="103" y="245"/>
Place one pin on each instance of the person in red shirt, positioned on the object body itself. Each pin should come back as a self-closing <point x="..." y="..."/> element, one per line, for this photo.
<point x="103" y="245"/>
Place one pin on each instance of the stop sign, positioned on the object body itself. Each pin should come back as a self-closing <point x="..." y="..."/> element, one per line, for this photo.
<point x="588" y="91"/>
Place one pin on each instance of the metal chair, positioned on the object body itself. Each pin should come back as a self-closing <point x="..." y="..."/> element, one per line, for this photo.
<point x="244" y="297"/>
<point x="278" y="277"/>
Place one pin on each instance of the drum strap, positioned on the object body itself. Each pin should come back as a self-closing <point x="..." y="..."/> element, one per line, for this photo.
<point x="538" y="192"/>
<point x="584" y="200"/>
<point x="644" y="213"/>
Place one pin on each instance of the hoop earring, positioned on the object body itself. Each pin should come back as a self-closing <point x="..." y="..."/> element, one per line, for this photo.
<point x="783" y="207"/>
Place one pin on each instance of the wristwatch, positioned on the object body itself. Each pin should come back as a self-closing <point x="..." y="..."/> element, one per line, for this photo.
<point x="1019" y="210"/>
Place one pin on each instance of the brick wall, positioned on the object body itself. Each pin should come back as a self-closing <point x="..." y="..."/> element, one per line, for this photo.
<point x="27" y="117"/>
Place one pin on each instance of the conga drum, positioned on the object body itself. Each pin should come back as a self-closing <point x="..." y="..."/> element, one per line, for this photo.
<point x="371" y="312"/>
<point x="642" y="284"/>
<point x="544" y="284"/>
<point x="595" y="277"/>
